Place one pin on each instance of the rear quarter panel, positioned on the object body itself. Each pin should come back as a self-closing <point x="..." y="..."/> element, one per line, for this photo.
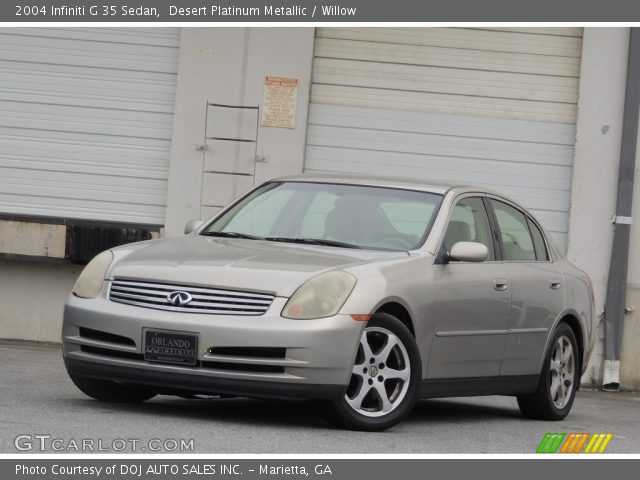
<point x="579" y="303"/>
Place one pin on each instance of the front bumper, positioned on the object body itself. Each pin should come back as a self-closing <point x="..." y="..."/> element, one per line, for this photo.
<point x="172" y="383"/>
<point x="316" y="361"/>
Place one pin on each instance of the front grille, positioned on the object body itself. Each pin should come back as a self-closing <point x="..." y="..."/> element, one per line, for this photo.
<point x="203" y="300"/>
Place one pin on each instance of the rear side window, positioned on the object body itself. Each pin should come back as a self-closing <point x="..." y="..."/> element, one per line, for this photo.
<point x="538" y="242"/>
<point x="514" y="230"/>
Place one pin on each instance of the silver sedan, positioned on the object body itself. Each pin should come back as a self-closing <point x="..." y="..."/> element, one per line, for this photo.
<point x="364" y="293"/>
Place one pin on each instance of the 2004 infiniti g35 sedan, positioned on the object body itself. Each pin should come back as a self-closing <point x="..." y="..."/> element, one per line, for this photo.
<point x="364" y="293"/>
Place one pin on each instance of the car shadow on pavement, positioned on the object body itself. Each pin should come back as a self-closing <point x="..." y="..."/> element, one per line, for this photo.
<point x="461" y="411"/>
<point x="300" y="413"/>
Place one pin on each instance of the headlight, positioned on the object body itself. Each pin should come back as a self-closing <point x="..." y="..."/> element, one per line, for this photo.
<point x="322" y="296"/>
<point x="89" y="283"/>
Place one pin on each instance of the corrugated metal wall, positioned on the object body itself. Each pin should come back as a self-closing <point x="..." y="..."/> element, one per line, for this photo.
<point x="86" y="121"/>
<point x="491" y="107"/>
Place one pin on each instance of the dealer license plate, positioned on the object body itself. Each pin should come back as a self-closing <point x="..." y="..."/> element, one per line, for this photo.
<point x="170" y="347"/>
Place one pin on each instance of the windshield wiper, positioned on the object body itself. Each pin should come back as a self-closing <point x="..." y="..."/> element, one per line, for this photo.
<point x="313" y="241"/>
<point x="232" y="235"/>
<point x="306" y="241"/>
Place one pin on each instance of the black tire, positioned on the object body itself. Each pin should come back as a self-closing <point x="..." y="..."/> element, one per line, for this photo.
<point x="541" y="404"/>
<point x="405" y="353"/>
<point x="113" y="392"/>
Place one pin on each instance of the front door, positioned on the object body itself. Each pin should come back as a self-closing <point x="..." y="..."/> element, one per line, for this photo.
<point x="472" y="301"/>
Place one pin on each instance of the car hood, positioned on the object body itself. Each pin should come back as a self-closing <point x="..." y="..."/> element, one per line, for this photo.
<point x="255" y="265"/>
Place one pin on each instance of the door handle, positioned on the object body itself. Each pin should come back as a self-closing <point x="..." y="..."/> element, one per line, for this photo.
<point x="554" y="284"/>
<point x="501" y="284"/>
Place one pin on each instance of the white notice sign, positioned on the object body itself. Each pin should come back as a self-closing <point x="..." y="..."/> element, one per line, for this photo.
<point x="279" y="102"/>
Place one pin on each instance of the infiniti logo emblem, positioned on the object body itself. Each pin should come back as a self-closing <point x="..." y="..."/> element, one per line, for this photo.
<point x="179" y="298"/>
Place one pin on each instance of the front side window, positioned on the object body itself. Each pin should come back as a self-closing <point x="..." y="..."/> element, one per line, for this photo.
<point x="514" y="230"/>
<point x="342" y="215"/>
<point x="469" y="223"/>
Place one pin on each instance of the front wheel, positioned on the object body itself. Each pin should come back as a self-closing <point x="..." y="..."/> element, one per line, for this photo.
<point x="385" y="378"/>
<point x="558" y="381"/>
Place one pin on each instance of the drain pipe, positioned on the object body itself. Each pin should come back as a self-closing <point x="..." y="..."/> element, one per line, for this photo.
<point x="615" y="310"/>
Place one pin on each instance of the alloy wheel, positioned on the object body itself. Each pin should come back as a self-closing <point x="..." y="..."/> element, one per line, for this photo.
<point x="562" y="370"/>
<point x="381" y="373"/>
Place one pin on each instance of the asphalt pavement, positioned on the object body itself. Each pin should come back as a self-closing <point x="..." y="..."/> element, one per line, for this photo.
<point x="39" y="406"/>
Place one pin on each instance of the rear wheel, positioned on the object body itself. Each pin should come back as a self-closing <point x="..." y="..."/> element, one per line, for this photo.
<point x="385" y="378"/>
<point x="558" y="381"/>
<point x="110" y="391"/>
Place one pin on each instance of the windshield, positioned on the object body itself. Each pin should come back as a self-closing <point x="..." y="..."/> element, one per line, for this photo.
<point x="331" y="214"/>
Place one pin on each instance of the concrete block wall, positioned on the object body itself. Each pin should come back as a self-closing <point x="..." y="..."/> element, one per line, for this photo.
<point x="630" y="355"/>
<point x="593" y="195"/>
<point x="32" y="296"/>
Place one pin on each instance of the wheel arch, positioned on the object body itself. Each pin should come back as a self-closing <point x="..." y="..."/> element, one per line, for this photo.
<point x="571" y="318"/>
<point x="573" y="322"/>
<point x="399" y="310"/>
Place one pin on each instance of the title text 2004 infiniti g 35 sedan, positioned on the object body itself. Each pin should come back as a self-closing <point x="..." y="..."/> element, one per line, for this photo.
<point x="365" y="293"/>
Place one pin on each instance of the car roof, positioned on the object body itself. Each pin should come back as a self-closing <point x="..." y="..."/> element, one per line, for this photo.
<point x="376" y="181"/>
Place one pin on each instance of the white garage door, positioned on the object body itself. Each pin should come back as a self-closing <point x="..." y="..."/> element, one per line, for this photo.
<point x="494" y="108"/>
<point x="86" y="121"/>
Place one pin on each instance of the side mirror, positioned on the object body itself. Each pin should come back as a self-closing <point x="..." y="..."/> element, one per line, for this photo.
<point x="192" y="226"/>
<point x="469" y="252"/>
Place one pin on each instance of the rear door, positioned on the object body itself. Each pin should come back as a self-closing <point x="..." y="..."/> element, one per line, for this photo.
<point x="537" y="290"/>
<point x="472" y="307"/>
